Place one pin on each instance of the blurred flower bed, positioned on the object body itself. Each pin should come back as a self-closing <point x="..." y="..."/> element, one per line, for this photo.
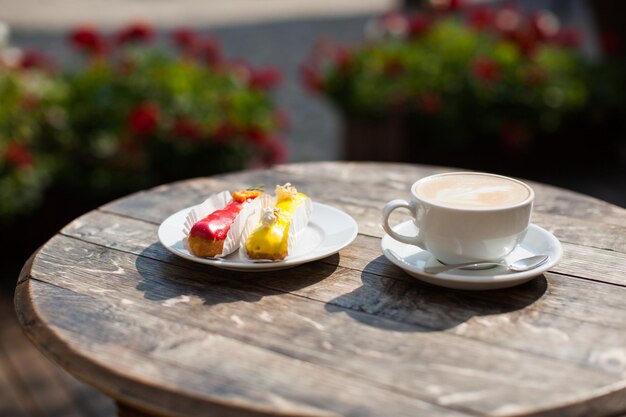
<point x="478" y="81"/>
<point x="132" y="116"/>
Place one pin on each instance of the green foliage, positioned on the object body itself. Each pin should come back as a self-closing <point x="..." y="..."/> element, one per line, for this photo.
<point x="132" y="117"/>
<point x="186" y="107"/>
<point x="459" y="84"/>
<point x="25" y="170"/>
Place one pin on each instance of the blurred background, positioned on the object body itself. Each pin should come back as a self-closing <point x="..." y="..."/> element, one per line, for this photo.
<point x="98" y="100"/>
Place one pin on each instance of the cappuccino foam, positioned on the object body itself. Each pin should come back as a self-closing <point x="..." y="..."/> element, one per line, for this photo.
<point x="472" y="191"/>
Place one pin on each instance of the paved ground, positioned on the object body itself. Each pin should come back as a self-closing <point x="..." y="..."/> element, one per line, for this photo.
<point x="61" y="14"/>
<point x="32" y="386"/>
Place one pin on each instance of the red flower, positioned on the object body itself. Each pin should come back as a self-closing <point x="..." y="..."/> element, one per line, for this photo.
<point x="568" y="38"/>
<point x="526" y="40"/>
<point x="448" y="5"/>
<point x="481" y="18"/>
<point x="185" y="38"/>
<point x="35" y="59"/>
<point x="209" y="50"/>
<point x="264" y="79"/>
<point x="186" y="129"/>
<point x="18" y="155"/>
<point x="224" y="131"/>
<point x="144" y="119"/>
<point x="418" y="24"/>
<point x="311" y="78"/>
<point x="430" y="103"/>
<point x="135" y="32"/>
<point x="486" y="69"/>
<point x="88" y="39"/>
<point x="343" y="58"/>
<point x="257" y="136"/>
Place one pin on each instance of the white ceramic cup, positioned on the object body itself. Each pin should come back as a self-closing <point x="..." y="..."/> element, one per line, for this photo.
<point x="455" y="234"/>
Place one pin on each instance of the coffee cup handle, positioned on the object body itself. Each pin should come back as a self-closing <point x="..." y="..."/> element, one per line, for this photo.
<point x="393" y="205"/>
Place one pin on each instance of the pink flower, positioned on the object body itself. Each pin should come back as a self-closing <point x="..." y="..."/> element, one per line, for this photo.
<point x="485" y="69"/>
<point x="88" y="39"/>
<point x="265" y="79"/>
<point x="545" y="24"/>
<point x="394" y="23"/>
<point x="508" y="20"/>
<point x="135" y="32"/>
<point x="185" y="38"/>
<point x="144" y="119"/>
<point x="18" y="156"/>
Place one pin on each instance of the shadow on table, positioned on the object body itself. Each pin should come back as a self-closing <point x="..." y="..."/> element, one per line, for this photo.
<point x="169" y="279"/>
<point x="402" y="303"/>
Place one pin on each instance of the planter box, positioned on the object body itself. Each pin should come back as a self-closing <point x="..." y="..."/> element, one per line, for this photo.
<point x="575" y="147"/>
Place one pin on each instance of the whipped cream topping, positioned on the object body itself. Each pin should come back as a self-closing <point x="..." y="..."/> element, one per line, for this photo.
<point x="285" y="192"/>
<point x="268" y="217"/>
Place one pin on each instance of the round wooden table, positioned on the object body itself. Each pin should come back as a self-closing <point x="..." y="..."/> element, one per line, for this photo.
<point x="350" y="335"/>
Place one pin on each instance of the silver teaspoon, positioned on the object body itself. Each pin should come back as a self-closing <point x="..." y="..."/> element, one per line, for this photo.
<point x="520" y="265"/>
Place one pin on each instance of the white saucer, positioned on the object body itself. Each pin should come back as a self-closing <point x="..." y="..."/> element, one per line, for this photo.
<point x="329" y="230"/>
<point x="413" y="260"/>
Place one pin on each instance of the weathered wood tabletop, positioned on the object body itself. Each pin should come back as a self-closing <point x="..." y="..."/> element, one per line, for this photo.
<point x="350" y="335"/>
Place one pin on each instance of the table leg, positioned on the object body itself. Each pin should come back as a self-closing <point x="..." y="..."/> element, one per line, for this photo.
<point x="124" y="410"/>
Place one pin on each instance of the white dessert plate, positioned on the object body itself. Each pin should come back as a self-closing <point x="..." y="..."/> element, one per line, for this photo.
<point x="413" y="260"/>
<point x="329" y="230"/>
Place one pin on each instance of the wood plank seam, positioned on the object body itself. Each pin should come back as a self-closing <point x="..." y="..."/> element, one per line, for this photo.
<point x="320" y="260"/>
<point x="365" y="379"/>
<point x="199" y="268"/>
<point x="376" y="383"/>
<point x="362" y="233"/>
<point x="372" y="236"/>
<point x="342" y="307"/>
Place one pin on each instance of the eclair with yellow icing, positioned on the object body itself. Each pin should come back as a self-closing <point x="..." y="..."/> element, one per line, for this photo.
<point x="279" y="225"/>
